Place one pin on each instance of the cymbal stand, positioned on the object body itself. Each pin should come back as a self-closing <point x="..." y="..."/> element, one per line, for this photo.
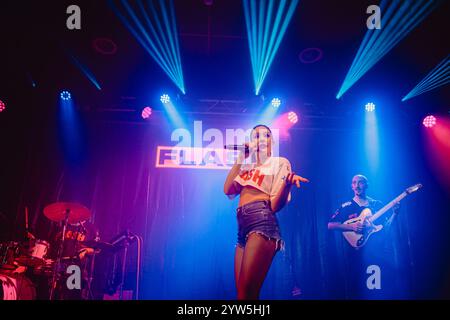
<point x="91" y="276"/>
<point x="55" y="277"/>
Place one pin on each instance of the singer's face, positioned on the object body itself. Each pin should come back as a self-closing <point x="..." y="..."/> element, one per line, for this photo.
<point x="263" y="138"/>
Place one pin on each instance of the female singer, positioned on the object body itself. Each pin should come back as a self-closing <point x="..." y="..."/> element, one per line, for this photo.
<point x="263" y="183"/>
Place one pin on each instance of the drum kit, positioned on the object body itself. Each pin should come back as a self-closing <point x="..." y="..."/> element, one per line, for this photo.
<point x="20" y="261"/>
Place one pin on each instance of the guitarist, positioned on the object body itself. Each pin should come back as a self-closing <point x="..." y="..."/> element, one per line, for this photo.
<point x="353" y="208"/>
<point x="357" y="260"/>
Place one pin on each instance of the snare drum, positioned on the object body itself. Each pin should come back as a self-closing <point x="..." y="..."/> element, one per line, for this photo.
<point x="46" y="269"/>
<point x="9" y="251"/>
<point x="34" y="253"/>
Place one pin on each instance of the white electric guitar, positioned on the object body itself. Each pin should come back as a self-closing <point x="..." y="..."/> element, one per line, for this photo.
<point x="357" y="240"/>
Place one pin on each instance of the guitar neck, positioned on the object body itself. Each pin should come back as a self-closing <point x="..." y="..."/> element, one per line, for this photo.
<point x="387" y="207"/>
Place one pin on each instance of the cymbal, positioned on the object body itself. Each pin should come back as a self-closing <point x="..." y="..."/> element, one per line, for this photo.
<point x="97" y="245"/>
<point x="57" y="212"/>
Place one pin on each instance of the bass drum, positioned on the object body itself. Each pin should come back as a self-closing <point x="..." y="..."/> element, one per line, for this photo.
<point x="16" y="288"/>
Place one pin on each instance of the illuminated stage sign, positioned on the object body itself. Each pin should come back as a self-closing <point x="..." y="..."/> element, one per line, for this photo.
<point x="194" y="158"/>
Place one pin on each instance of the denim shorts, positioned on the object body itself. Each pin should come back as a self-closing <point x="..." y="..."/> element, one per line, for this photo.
<point x="257" y="217"/>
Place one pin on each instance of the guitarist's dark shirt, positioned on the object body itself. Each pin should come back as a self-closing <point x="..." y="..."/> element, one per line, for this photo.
<point x="377" y="251"/>
<point x="350" y="210"/>
<point x="356" y="261"/>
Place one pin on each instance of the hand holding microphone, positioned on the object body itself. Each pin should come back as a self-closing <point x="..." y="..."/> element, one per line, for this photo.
<point x="246" y="149"/>
<point x="250" y="148"/>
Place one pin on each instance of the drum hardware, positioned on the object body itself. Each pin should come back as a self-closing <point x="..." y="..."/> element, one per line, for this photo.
<point x="8" y="253"/>
<point x="39" y="267"/>
<point x="68" y="213"/>
<point x="123" y="241"/>
<point x="45" y="269"/>
<point x="32" y="256"/>
<point x="34" y="253"/>
<point x="98" y="245"/>
<point x="91" y="276"/>
<point x="57" y="212"/>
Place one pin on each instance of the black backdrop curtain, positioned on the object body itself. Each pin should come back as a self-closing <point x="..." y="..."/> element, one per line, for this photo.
<point x="189" y="226"/>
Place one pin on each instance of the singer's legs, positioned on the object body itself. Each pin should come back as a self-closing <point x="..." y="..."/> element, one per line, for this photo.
<point x="239" y="253"/>
<point x="255" y="263"/>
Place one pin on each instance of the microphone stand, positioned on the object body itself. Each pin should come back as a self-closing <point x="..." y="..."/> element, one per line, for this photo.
<point x="126" y="238"/>
<point x="124" y="261"/>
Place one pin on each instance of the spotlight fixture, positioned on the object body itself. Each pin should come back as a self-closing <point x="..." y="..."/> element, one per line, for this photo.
<point x="65" y="95"/>
<point x="276" y="102"/>
<point x="370" y="107"/>
<point x="165" y="98"/>
<point x="429" y="121"/>
<point x="293" y="118"/>
<point x="146" y="113"/>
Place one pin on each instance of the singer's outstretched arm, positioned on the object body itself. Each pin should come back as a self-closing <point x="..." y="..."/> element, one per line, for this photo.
<point x="280" y="200"/>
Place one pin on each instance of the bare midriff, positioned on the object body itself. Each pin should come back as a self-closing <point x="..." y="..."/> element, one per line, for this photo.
<point x="250" y="194"/>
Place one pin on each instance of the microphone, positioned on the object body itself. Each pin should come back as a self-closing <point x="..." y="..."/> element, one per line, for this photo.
<point x="122" y="238"/>
<point x="236" y="147"/>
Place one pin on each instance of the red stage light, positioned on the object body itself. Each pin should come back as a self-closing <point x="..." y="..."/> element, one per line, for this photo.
<point x="2" y="106"/>
<point x="437" y="145"/>
<point x="429" y="121"/>
<point x="292" y="116"/>
<point x="146" y="113"/>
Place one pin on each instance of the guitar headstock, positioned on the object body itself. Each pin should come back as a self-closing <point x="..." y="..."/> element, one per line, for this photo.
<point x="413" y="188"/>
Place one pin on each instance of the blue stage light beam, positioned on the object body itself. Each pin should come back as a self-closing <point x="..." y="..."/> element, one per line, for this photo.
<point x="437" y="77"/>
<point x="371" y="141"/>
<point x="156" y="30"/>
<point x="70" y="128"/>
<point x="173" y="114"/>
<point x="399" y="18"/>
<point x="265" y="31"/>
<point x="269" y="113"/>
